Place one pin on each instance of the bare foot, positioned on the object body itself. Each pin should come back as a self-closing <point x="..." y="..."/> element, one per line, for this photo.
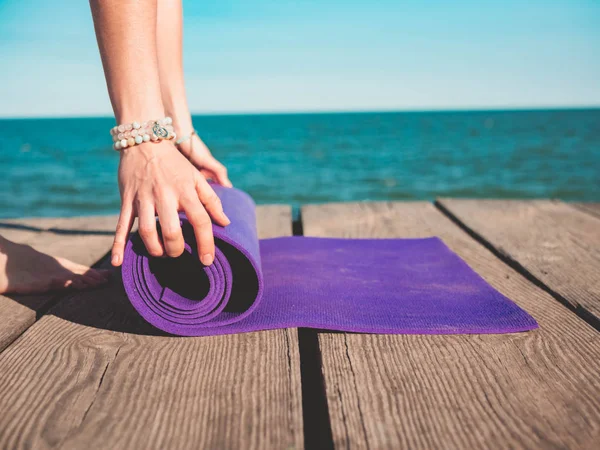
<point x="24" y="270"/>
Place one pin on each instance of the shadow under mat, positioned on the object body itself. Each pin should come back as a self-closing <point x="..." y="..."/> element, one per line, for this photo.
<point x="105" y="308"/>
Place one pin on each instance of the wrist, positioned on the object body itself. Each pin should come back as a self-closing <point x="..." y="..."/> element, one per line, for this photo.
<point x="127" y="135"/>
<point x="182" y="119"/>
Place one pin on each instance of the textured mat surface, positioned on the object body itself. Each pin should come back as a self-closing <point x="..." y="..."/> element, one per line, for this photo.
<point x="394" y="286"/>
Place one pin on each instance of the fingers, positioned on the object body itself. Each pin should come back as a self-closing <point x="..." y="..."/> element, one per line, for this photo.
<point x="147" y="229"/>
<point x="204" y="161"/>
<point x="200" y="221"/>
<point x="219" y="171"/>
<point x="171" y="228"/>
<point x="123" y="228"/>
<point x="211" y="202"/>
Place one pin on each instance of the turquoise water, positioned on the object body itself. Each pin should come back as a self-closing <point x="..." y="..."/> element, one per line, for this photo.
<point x="66" y="167"/>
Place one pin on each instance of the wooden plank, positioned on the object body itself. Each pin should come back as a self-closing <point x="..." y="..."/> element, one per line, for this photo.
<point x="30" y="229"/>
<point x="92" y="374"/>
<point x="557" y="244"/>
<point x="527" y="390"/>
<point x="591" y="208"/>
<point x="82" y="239"/>
<point x="21" y="230"/>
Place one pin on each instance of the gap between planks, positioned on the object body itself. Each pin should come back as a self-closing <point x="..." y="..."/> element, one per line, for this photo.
<point x="91" y="373"/>
<point x="554" y="245"/>
<point x="84" y="240"/>
<point x="524" y="390"/>
<point x="318" y="409"/>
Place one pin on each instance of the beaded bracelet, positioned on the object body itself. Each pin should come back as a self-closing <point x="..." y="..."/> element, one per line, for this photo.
<point x="187" y="137"/>
<point x="130" y="134"/>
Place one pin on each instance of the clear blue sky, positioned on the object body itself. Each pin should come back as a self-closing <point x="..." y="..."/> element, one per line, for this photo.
<point x="311" y="55"/>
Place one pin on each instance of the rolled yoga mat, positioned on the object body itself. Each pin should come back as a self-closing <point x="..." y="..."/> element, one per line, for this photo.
<point x="393" y="286"/>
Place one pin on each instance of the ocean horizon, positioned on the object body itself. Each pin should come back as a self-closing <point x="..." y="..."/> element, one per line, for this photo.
<point x="333" y="111"/>
<point x="66" y="166"/>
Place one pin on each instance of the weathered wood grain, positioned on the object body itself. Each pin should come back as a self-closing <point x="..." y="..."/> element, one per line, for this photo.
<point x="92" y="374"/>
<point x="528" y="390"/>
<point x="558" y="244"/>
<point x="20" y="230"/>
<point x="82" y="239"/>
<point x="591" y="208"/>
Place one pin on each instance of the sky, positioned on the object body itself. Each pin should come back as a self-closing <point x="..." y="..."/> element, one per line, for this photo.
<point x="321" y="55"/>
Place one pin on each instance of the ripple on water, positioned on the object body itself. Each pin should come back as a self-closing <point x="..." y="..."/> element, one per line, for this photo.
<point x="316" y="158"/>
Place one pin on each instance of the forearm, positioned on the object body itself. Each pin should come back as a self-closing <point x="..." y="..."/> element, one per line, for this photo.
<point x="154" y="179"/>
<point x="126" y="33"/>
<point x="170" y="64"/>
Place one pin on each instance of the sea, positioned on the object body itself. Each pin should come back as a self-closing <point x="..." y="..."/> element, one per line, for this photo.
<point x="66" y="167"/>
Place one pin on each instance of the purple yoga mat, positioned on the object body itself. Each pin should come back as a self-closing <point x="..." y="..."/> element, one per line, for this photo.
<point x="393" y="286"/>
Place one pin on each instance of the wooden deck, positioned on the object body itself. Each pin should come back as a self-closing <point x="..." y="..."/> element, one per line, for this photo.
<point x="82" y="370"/>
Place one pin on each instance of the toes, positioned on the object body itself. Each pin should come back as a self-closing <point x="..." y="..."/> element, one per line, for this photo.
<point x="57" y="284"/>
<point x="106" y="274"/>
<point x="85" y="281"/>
<point x="91" y="278"/>
<point x="78" y="284"/>
<point x="98" y="276"/>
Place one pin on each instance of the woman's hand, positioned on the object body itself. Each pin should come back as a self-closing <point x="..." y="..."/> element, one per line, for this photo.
<point x="156" y="178"/>
<point x="199" y="155"/>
